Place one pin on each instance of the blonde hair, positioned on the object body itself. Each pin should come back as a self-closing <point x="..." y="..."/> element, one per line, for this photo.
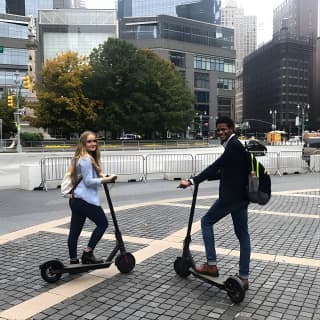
<point x="81" y="152"/>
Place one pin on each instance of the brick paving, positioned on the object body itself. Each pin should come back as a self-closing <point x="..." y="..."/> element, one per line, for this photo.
<point x="278" y="290"/>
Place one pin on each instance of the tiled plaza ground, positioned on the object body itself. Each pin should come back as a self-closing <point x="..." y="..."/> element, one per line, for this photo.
<point x="284" y="280"/>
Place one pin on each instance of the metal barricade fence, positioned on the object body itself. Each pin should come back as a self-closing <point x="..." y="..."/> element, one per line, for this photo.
<point x="53" y="169"/>
<point x="315" y="162"/>
<point x="271" y="162"/>
<point x="292" y="162"/>
<point x="169" y="166"/>
<point x="126" y="167"/>
<point x="201" y="161"/>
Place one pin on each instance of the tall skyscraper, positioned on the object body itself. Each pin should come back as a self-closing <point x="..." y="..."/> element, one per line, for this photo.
<point x="299" y="16"/>
<point x="245" y="30"/>
<point x="200" y="10"/>
<point x="24" y="7"/>
<point x="300" y="20"/>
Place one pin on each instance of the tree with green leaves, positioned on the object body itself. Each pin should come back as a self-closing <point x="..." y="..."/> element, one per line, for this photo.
<point x="62" y="102"/>
<point x="140" y="91"/>
<point x="6" y="114"/>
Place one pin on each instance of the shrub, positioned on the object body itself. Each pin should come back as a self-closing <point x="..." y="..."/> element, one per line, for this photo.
<point x="28" y="136"/>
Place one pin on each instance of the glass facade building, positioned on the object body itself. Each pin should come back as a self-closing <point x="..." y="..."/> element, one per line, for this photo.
<point x="14" y="37"/>
<point x="24" y="7"/>
<point x="147" y="8"/>
<point x="178" y="29"/>
<point x="78" y="30"/>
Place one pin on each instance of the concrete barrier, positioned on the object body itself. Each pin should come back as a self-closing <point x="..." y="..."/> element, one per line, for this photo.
<point x="30" y="176"/>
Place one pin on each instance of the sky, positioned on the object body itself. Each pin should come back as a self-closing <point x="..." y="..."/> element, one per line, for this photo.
<point x="262" y="9"/>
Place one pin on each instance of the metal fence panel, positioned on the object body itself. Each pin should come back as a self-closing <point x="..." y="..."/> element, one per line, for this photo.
<point x="126" y="167"/>
<point x="292" y="162"/>
<point x="169" y="166"/>
<point x="201" y="161"/>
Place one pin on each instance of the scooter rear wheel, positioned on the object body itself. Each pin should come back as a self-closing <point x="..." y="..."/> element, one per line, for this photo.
<point x="51" y="271"/>
<point x="235" y="289"/>
<point x="181" y="267"/>
<point x="125" y="262"/>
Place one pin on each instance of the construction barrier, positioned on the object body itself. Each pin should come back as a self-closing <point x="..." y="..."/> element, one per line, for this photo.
<point x="315" y="162"/>
<point x="126" y="167"/>
<point x="292" y="162"/>
<point x="171" y="166"/>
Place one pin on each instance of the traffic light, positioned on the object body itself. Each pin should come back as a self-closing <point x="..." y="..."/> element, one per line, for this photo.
<point x="10" y="101"/>
<point x="26" y="82"/>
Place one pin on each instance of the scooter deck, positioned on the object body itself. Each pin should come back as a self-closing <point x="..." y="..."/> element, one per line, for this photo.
<point x="77" y="268"/>
<point x="216" y="281"/>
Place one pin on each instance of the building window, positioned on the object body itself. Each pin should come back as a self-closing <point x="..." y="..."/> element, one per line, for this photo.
<point x="201" y="80"/>
<point x="224" y="107"/>
<point x="202" y="96"/>
<point x="214" y="64"/>
<point x="226" y="84"/>
<point x="178" y="59"/>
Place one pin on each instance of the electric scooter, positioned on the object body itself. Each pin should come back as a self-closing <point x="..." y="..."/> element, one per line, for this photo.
<point x="51" y="271"/>
<point x="185" y="265"/>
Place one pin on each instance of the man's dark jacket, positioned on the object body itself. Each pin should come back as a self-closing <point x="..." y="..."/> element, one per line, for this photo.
<point x="232" y="168"/>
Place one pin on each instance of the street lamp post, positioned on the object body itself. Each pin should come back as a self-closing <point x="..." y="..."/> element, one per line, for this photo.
<point x="303" y="113"/>
<point x="18" y="111"/>
<point x="200" y="122"/>
<point x="273" y="113"/>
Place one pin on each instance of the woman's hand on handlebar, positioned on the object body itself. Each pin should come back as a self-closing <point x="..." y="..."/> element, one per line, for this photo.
<point x="184" y="184"/>
<point x="109" y="179"/>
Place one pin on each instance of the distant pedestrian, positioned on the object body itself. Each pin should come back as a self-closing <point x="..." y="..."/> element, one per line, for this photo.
<point x="232" y="169"/>
<point x="86" y="168"/>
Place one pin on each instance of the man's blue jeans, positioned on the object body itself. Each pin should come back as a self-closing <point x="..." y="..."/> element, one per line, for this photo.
<point x="239" y="215"/>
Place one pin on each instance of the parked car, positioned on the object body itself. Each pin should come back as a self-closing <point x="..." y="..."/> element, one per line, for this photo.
<point x="255" y="146"/>
<point x="130" y="136"/>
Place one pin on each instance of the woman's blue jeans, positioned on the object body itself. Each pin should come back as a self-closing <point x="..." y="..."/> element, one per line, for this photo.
<point x="80" y="211"/>
<point x="239" y="215"/>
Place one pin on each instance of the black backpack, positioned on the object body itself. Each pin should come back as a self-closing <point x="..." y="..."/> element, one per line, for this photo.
<point x="259" y="182"/>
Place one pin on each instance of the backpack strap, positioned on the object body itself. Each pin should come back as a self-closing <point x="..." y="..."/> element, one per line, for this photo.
<point x="74" y="187"/>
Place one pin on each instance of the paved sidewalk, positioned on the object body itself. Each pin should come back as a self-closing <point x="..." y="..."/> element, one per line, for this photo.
<point x="285" y="268"/>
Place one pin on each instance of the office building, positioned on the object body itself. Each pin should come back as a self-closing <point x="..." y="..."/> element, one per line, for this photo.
<point x="25" y="7"/>
<point x="201" y="10"/>
<point x="301" y="19"/>
<point x="202" y="52"/>
<point x="276" y="79"/>
<point x="14" y="56"/>
<point x="245" y="30"/>
<point x="298" y="16"/>
<point x="78" y="30"/>
<point x="316" y="95"/>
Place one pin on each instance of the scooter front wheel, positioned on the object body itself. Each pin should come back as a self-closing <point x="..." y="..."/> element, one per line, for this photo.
<point x="51" y="271"/>
<point x="181" y="267"/>
<point x="125" y="262"/>
<point x="235" y="289"/>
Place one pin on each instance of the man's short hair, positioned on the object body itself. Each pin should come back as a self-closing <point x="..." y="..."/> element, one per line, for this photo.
<point x="225" y="120"/>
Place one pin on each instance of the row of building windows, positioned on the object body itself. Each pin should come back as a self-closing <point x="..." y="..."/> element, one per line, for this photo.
<point x="11" y="30"/>
<point x="214" y="64"/>
<point x="14" y="56"/>
<point x="196" y="38"/>
<point x="201" y="80"/>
